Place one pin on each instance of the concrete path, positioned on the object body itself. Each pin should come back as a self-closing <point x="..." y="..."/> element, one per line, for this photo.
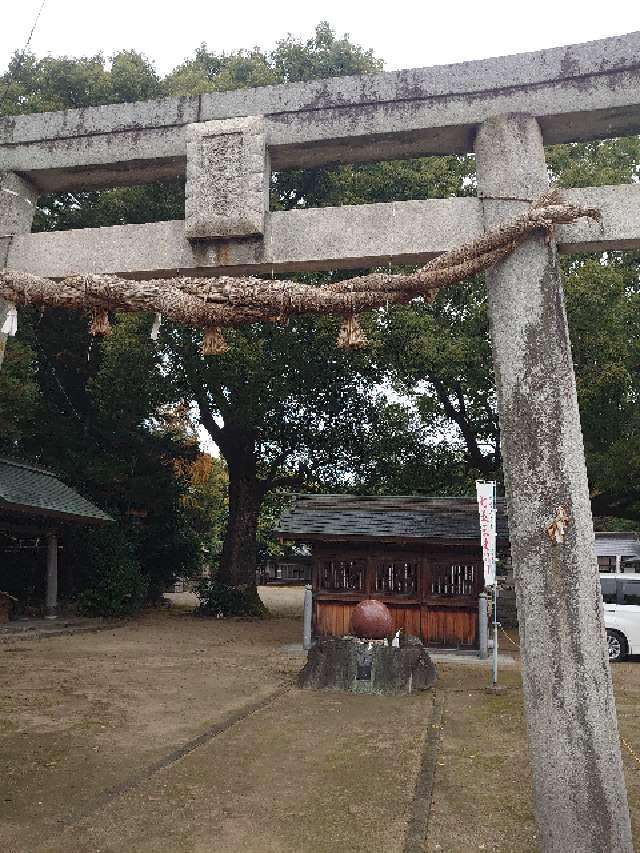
<point x="33" y="629"/>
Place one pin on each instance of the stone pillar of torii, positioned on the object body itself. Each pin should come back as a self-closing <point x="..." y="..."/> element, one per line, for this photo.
<point x="17" y="208"/>
<point x="565" y="667"/>
<point x="502" y="109"/>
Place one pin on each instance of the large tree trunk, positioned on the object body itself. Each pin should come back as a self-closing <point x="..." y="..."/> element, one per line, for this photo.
<point x="580" y="799"/>
<point x="239" y="553"/>
<point x="238" y="565"/>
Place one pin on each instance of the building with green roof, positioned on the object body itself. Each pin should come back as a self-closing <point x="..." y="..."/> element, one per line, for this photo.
<point x="35" y="506"/>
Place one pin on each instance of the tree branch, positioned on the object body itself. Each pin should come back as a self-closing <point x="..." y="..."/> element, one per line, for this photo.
<point x="477" y="458"/>
<point x="207" y="420"/>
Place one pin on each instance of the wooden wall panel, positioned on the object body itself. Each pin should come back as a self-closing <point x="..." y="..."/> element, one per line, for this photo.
<point x="406" y="618"/>
<point x="449" y="626"/>
<point x="445" y="626"/>
<point x="332" y="618"/>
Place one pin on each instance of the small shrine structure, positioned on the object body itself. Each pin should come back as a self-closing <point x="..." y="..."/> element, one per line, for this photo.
<point x="421" y="556"/>
<point x="35" y="506"/>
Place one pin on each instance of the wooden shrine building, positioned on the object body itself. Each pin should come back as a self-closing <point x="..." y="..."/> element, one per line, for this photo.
<point x="34" y="507"/>
<point x="421" y="556"/>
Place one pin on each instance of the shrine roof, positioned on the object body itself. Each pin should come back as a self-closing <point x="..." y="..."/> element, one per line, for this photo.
<point x="339" y="517"/>
<point x="30" y="490"/>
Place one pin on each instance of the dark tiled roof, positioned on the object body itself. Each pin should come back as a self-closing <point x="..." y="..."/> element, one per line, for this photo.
<point x="349" y="516"/>
<point x="618" y="544"/>
<point x="28" y="489"/>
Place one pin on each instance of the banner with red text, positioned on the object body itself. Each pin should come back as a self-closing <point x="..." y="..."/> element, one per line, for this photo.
<point x="486" y="505"/>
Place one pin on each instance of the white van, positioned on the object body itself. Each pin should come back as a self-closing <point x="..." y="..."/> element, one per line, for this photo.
<point x="621" y="601"/>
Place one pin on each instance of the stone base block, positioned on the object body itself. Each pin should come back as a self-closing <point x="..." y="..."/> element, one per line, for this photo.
<point x="346" y="664"/>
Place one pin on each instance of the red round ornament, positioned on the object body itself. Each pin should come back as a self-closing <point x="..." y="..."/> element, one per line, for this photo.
<point x="371" y="620"/>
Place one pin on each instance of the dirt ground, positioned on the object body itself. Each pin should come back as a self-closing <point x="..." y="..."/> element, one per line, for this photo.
<point x="482" y="785"/>
<point x="175" y="733"/>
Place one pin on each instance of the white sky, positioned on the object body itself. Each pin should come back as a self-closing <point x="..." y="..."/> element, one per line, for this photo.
<point x="404" y="34"/>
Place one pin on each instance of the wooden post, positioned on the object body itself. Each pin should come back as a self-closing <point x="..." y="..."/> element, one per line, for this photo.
<point x="17" y="207"/>
<point x="307" y="618"/>
<point x="579" y="792"/>
<point x="52" y="575"/>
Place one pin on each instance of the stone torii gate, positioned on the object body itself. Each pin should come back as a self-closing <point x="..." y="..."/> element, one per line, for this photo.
<point x="503" y="110"/>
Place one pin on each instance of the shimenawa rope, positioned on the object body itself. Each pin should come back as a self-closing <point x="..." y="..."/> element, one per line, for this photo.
<point x="211" y="303"/>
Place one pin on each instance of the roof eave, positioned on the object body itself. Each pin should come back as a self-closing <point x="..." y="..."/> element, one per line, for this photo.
<point x="66" y="517"/>
<point x="288" y="536"/>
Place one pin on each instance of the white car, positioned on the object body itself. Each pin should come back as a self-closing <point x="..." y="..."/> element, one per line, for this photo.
<point x="621" y="601"/>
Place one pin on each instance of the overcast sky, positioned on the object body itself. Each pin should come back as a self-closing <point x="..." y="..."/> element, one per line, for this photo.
<point x="404" y="34"/>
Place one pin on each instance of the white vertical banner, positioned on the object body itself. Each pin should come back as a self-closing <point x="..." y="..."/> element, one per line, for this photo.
<point x="486" y="506"/>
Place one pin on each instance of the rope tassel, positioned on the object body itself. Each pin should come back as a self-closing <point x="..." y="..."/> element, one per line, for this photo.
<point x="351" y="335"/>
<point x="99" y="324"/>
<point x="214" y="342"/>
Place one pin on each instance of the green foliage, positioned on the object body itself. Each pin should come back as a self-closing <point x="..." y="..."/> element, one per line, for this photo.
<point x="602" y="296"/>
<point x="132" y="78"/>
<point x="220" y="599"/>
<point x="439" y="359"/>
<point x="53" y="83"/>
<point x="121" y="206"/>
<point x="204" y="498"/>
<point x="292" y="60"/>
<point x="114" y="585"/>
<point x="367" y="183"/>
<point x="210" y="73"/>
<point x="20" y="397"/>
<point x="267" y="546"/>
<point x="594" y="164"/>
<point x="104" y="426"/>
<point x="321" y="56"/>
<point x="285" y="394"/>
<point x="603" y="304"/>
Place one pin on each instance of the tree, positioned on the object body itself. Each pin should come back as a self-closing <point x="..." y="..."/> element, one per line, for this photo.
<point x="603" y="301"/>
<point x="257" y="443"/>
<point x="95" y="410"/>
<point x="284" y="406"/>
<point x="439" y="356"/>
<point x="20" y="398"/>
<point x="265" y="445"/>
<point x="281" y="404"/>
<point x="205" y="498"/>
<point x="602" y="294"/>
<point x="291" y="61"/>
<point x="441" y="408"/>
